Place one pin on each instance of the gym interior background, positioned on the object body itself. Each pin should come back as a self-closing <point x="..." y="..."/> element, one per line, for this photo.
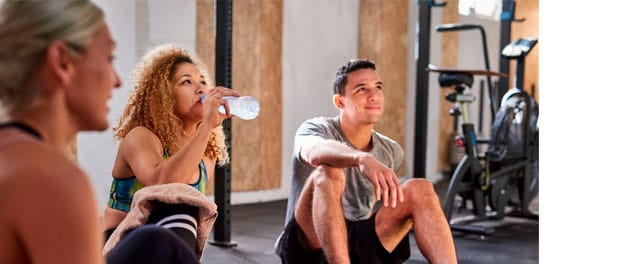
<point x="285" y="53"/>
<point x="288" y="51"/>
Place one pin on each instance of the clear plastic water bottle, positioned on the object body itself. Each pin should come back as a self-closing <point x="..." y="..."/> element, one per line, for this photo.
<point x="244" y="107"/>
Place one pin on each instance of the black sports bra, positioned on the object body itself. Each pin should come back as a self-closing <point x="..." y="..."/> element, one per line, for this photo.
<point x="24" y="127"/>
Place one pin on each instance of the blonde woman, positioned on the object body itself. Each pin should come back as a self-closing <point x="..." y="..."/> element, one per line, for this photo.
<point x="168" y="132"/>
<point x="56" y="76"/>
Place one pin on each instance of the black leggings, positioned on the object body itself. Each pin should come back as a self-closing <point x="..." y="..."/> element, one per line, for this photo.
<point x="163" y="239"/>
<point x="163" y="210"/>
<point x="151" y="244"/>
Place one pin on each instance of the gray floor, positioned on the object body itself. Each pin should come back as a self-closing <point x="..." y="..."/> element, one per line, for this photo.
<point x="255" y="228"/>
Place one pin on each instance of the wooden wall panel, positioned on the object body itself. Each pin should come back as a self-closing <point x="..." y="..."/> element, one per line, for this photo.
<point x="205" y="48"/>
<point x="205" y="34"/>
<point x="449" y="58"/>
<point x="256" y="153"/>
<point x="384" y="39"/>
<point x="271" y="94"/>
<point x="246" y="159"/>
<point x="256" y="62"/>
<point x="528" y="9"/>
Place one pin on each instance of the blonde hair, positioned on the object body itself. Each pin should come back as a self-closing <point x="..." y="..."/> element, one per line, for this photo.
<point x="151" y="104"/>
<point x="26" y="30"/>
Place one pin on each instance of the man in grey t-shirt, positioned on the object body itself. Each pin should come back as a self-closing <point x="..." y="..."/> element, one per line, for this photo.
<point x="346" y="204"/>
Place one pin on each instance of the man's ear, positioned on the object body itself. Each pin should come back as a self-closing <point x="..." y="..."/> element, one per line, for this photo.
<point x="338" y="102"/>
<point x="59" y="62"/>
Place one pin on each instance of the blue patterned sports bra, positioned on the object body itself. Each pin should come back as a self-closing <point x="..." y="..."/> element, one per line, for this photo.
<point x="123" y="190"/>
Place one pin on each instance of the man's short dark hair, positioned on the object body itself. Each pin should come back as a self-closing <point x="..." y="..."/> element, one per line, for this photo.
<point x="349" y="67"/>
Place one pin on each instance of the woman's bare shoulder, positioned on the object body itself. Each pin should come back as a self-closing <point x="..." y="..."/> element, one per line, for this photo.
<point x="140" y="140"/>
<point x="42" y="192"/>
<point x="32" y="169"/>
<point x="140" y="134"/>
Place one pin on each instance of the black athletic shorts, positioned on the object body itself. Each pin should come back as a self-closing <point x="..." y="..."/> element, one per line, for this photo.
<point x="364" y="245"/>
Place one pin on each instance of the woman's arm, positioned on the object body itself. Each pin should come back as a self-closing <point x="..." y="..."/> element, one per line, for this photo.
<point x="142" y="151"/>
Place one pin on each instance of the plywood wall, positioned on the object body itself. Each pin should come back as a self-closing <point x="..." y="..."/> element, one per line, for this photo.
<point x="205" y="33"/>
<point x="256" y="71"/>
<point x="449" y="58"/>
<point x="529" y="10"/>
<point x="384" y="39"/>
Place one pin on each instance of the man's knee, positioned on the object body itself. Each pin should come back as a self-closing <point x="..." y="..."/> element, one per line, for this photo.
<point x="329" y="178"/>
<point x="416" y="189"/>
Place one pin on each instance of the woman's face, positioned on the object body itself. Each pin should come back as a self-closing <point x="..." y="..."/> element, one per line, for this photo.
<point x="93" y="81"/>
<point x="188" y="84"/>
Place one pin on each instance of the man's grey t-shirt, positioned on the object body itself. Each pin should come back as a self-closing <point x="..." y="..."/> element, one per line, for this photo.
<point x="358" y="199"/>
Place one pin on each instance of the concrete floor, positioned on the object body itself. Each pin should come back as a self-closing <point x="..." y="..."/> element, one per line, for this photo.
<point x="255" y="228"/>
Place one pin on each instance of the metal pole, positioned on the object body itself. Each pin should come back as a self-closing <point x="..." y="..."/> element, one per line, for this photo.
<point x="481" y="93"/>
<point x="519" y="77"/>
<point x="421" y="104"/>
<point x="506" y="18"/>
<point x="490" y="91"/>
<point x="223" y="67"/>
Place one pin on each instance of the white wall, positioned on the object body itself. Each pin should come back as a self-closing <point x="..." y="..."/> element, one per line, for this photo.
<point x="434" y="92"/>
<point x="318" y="36"/>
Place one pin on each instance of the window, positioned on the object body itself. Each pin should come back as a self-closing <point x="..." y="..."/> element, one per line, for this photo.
<point x="486" y="9"/>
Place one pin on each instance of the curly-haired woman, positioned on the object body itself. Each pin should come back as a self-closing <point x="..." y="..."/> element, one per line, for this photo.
<point x="168" y="132"/>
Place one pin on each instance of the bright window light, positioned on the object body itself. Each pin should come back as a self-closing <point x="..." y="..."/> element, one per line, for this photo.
<point x="486" y="9"/>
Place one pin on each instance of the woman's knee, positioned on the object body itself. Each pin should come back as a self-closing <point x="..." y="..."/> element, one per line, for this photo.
<point x="159" y="235"/>
<point x="152" y="244"/>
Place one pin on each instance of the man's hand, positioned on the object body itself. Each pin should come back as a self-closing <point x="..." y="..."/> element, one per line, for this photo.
<point x="384" y="180"/>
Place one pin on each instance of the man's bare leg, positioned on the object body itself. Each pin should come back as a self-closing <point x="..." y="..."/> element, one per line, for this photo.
<point x="320" y="216"/>
<point x="422" y="211"/>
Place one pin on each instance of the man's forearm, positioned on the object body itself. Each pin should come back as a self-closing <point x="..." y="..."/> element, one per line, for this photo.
<point x="331" y="153"/>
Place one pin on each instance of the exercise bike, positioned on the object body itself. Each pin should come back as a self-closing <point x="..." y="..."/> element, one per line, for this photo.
<point x="490" y="179"/>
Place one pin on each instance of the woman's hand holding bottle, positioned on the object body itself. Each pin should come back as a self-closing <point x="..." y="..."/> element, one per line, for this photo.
<point x="211" y="102"/>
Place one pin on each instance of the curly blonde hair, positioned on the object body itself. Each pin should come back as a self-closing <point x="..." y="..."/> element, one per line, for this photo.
<point x="151" y="103"/>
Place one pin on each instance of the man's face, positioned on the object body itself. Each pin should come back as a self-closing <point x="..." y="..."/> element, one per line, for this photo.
<point x="363" y="100"/>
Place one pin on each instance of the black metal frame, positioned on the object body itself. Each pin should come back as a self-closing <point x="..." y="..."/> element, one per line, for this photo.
<point x="507" y="16"/>
<point x="223" y="77"/>
<point x="421" y="104"/>
<point x="458" y="27"/>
